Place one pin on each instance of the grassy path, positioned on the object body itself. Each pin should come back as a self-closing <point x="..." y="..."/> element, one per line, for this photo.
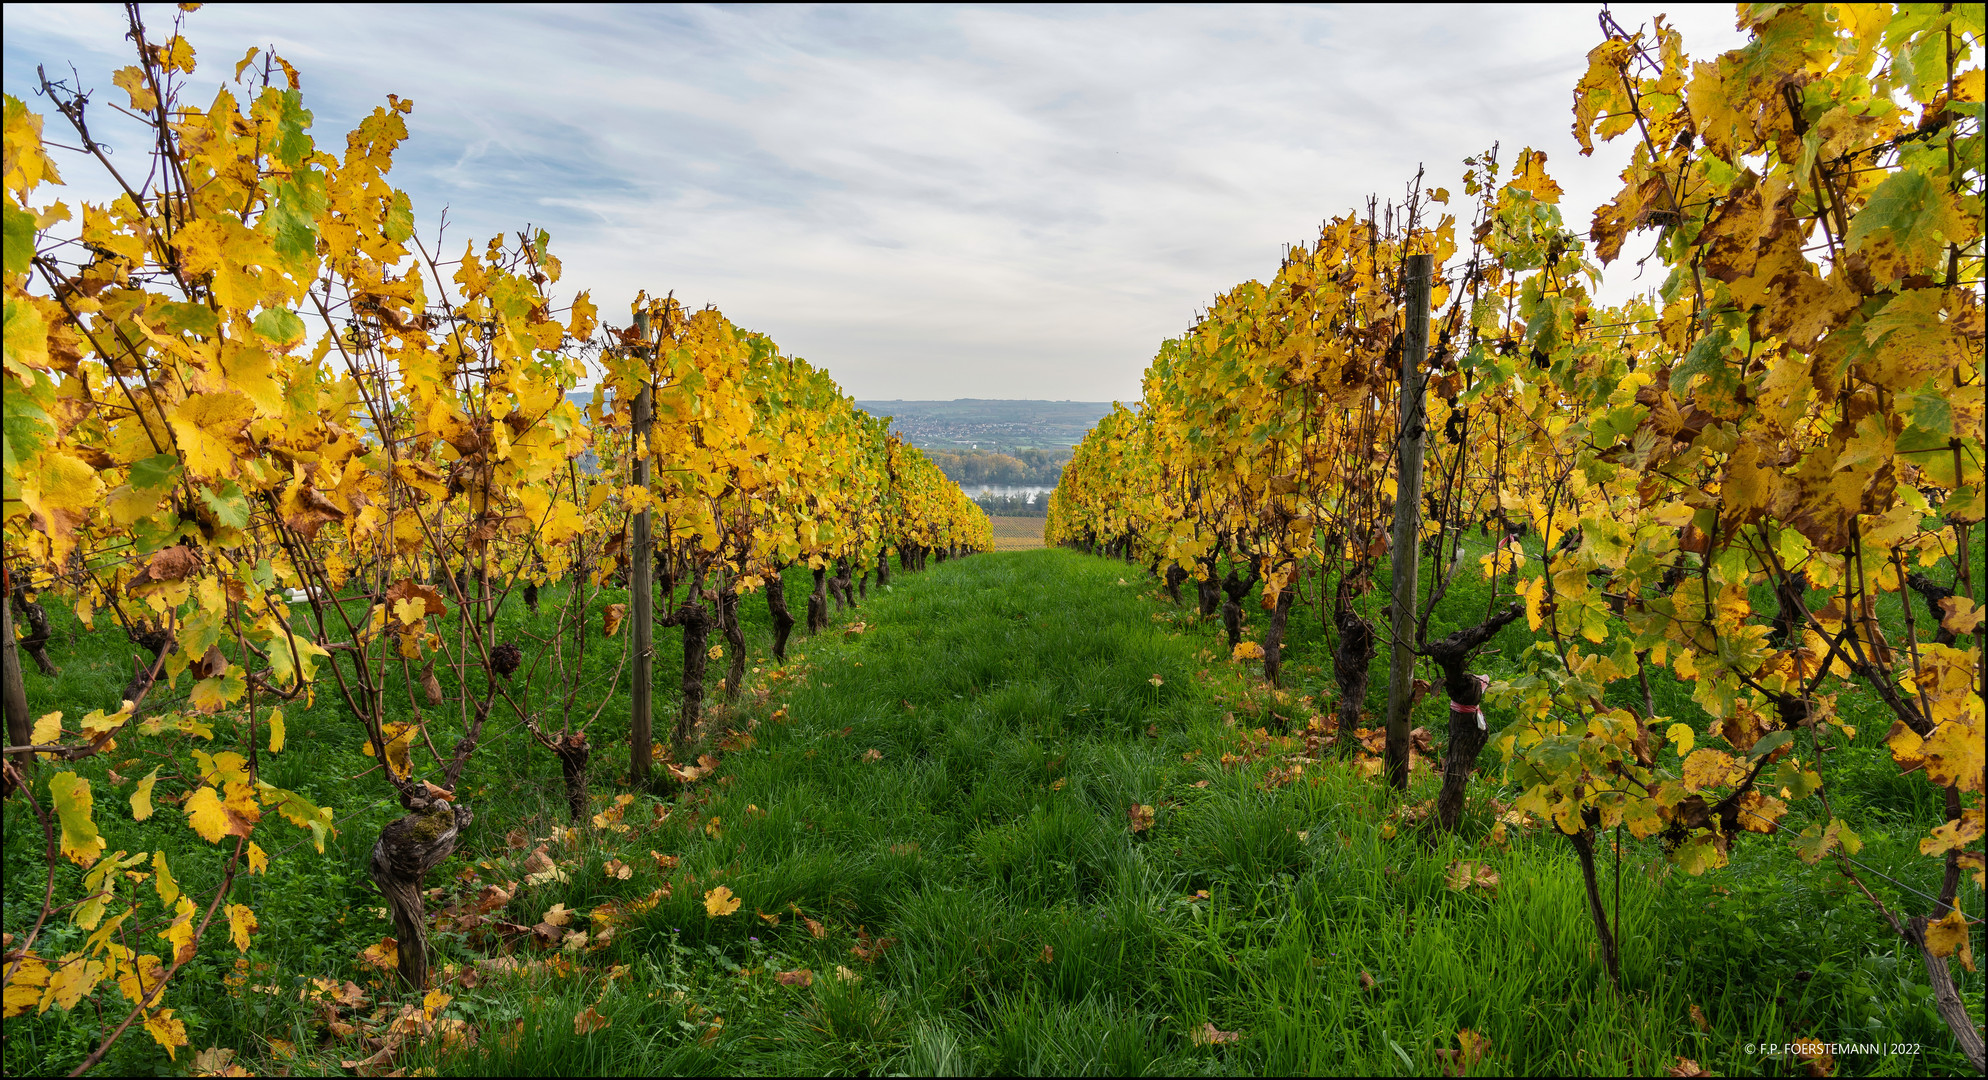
<point x="941" y="807"/>
<point x="957" y="781"/>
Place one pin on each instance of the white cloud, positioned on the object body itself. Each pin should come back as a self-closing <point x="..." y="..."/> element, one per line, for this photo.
<point x="930" y="202"/>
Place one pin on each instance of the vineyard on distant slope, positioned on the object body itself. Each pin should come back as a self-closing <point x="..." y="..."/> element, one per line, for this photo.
<point x="245" y="383"/>
<point x="1728" y="478"/>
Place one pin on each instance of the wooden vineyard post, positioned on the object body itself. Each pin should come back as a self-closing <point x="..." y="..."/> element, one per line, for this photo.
<point x="1408" y="513"/>
<point x="640" y="735"/>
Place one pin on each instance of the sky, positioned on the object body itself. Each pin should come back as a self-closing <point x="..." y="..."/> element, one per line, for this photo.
<point x="930" y="202"/>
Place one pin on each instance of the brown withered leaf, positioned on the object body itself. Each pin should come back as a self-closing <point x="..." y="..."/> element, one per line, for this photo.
<point x="803" y="977"/>
<point x="1685" y="1067"/>
<point x="516" y="839"/>
<point x="1473" y="1048"/>
<point x="1141" y="816"/>
<point x="168" y="564"/>
<point x="588" y="1022"/>
<point x="1464" y="874"/>
<point x="611" y="618"/>
<point x="869" y="949"/>
<point x="1210" y="1035"/>
<point x="410" y="589"/>
<point x="431" y="687"/>
<point x="1366" y="981"/>
<point x="538" y="861"/>
<point x="210" y="665"/>
<point x="314" y="511"/>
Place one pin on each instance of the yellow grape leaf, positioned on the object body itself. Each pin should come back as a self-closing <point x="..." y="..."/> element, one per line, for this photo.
<point x="276" y="731"/>
<point x="24" y="992"/>
<point x="180" y="933"/>
<point x="719" y="901"/>
<point x="1945" y="937"/>
<point x="132" y="81"/>
<point x="241" y="923"/>
<point x="214" y="819"/>
<point x="141" y="978"/>
<point x="1535" y="595"/>
<point x="141" y="799"/>
<point x="385" y="955"/>
<point x="410" y="610"/>
<point x="1955" y="755"/>
<point x="48" y="730"/>
<point x="558" y="915"/>
<point x="1960" y="614"/>
<point x="167" y="1031"/>
<point x="258" y="862"/>
<point x="71" y="980"/>
<point x="1683" y="737"/>
<point x="162" y="879"/>
<point x="1953" y="834"/>
<point x="71" y="795"/>
<point x="1710" y="768"/>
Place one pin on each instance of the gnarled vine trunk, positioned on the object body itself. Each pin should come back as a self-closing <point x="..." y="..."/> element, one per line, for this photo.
<point x="776" y="606"/>
<point x="407" y="849"/>
<point x="735" y="640"/>
<point x="695" y="619"/>
<point x="573" y="753"/>
<point x="35" y="641"/>
<point x="1273" y="638"/>
<point x="1468" y="729"/>
<point x="1351" y="663"/>
<point x="818" y="602"/>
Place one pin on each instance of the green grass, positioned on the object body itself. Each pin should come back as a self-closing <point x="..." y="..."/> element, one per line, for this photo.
<point x="1011" y="705"/>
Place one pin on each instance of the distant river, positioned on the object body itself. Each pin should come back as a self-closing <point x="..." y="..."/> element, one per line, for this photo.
<point x="1029" y="493"/>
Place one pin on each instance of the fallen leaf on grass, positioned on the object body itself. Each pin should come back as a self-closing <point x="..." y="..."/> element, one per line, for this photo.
<point x="869" y="949"/>
<point x="1366" y="981"/>
<point x="588" y="1022"/>
<point x="539" y="861"/>
<point x="1698" y="1019"/>
<point x="1210" y="1035"/>
<point x="558" y="915"/>
<point x="665" y="863"/>
<point x="719" y="901"/>
<point x="1142" y="817"/>
<point x="815" y="929"/>
<point x="1474" y="1047"/>
<point x="1464" y="874"/>
<point x="1048" y="955"/>
<point x="385" y="955"/>
<point x="873" y="754"/>
<point x="618" y="870"/>
<point x="846" y="975"/>
<point x="1684" y="1067"/>
<point x="802" y="978"/>
<point x="215" y="1061"/>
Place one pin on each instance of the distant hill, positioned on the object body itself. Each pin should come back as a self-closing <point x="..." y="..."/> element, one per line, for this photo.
<point x="989" y="423"/>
